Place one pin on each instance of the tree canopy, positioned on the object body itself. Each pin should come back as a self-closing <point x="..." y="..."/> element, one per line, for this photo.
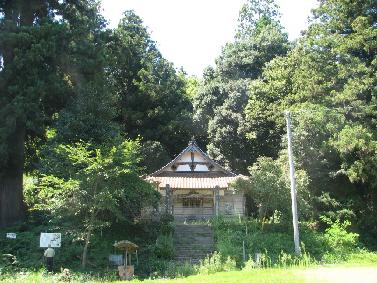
<point x="72" y="85"/>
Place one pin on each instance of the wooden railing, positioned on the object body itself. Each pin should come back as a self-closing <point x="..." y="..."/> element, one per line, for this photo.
<point x="193" y="211"/>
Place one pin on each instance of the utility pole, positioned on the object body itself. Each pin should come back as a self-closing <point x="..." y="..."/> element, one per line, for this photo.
<point x="296" y="236"/>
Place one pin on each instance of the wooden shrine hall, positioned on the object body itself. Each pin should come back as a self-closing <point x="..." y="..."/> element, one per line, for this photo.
<point x="196" y="187"/>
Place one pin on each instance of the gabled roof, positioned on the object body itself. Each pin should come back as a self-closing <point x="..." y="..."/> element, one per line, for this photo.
<point x="210" y="176"/>
<point x="193" y="147"/>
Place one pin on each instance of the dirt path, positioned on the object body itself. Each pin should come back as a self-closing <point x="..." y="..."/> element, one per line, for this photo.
<point x="341" y="275"/>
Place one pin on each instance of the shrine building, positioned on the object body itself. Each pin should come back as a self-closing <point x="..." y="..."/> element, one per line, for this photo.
<point x="195" y="187"/>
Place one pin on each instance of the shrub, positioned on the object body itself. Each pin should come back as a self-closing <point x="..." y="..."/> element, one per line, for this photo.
<point x="164" y="247"/>
<point x="340" y="242"/>
<point x="179" y="270"/>
<point x="285" y="259"/>
<point x="214" y="263"/>
<point x="210" y="264"/>
<point x="249" y="264"/>
<point x="167" y="228"/>
<point x="229" y="264"/>
<point x="339" y="239"/>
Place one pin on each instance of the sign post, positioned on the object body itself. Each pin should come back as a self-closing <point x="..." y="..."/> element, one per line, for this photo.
<point x="11" y="235"/>
<point x="53" y="239"/>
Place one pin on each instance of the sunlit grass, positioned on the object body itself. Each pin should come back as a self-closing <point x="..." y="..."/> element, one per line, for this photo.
<point x="333" y="274"/>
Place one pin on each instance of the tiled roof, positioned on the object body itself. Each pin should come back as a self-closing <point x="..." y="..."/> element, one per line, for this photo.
<point x="193" y="182"/>
<point x="209" y="174"/>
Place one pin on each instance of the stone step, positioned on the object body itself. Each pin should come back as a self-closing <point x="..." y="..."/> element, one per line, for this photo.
<point x="193" y="227"/>
<point x="193" y="242"/>
<point x="193" y="255"/>
<point x="187" y="247"/>
<point x="192" y="236"/>
<point x="209" y="248"/>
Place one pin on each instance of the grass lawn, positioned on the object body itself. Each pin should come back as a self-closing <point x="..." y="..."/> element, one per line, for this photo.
<point x="294" y="275"/>
<point x="255" y="276"/>
<point x="333" y="274"/>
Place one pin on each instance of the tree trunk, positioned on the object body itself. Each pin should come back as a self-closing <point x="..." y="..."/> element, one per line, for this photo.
<point x="85" y="251"/>
<point x="11" y="200"/>
<point x="11" y="180"/>
<point x="16" y="13"/>
<point x="87" y="240"/>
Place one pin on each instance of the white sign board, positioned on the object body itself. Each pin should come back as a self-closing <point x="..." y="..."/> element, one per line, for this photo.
<point x="53" y="239"/>
<point x="11" y="235"/>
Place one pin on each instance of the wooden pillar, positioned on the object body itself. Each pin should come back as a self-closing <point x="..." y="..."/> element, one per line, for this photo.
<point x="168" y="199"/>
<point x="216" y="199"/>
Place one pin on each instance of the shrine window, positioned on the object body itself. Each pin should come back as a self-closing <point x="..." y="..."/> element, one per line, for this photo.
<point x="192" y="202"/>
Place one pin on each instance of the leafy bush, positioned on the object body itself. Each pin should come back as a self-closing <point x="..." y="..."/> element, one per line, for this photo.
<point x="229" y="264"/>
<point x="166" y="224"/>
<point x="274" y="241"/>
<point x="175" y="269"/>
<point x="214" y="263"/>
<point x="269" y="187"/>
<point x="338" y="238"/>
<point x="164" y="247"/>
<point x="340" y="242"/>
<point x="230" y="236"/>
<point x="249" y="264"/>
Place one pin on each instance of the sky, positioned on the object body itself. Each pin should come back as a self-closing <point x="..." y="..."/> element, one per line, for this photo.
<point x="191" y="33"/>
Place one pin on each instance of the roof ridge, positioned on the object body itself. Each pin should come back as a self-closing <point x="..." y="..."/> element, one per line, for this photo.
<point x="193" y="145"/>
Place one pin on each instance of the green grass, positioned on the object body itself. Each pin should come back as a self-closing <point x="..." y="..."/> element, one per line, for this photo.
<point x="333" y="274"/>
<point x="255" y="276"/>
<point x="260" y="275"/>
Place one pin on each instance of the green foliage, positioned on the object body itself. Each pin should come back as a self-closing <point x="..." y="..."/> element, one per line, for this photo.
<point x="274" y="243"/>
<point x="108" y="174"/>
<point x="152" y="100"/>
<point x="269" y="186"/>
<point x="339" y="240"/>
<point x="29" y="256"/>
<point x="49" y="50"/>
<point x="178" y="270"/>
<point x="26" y="252"/>
<point x="327" y="81"/>
<point x="249" y="265"/>
<point x="254" y="13"/>
<point x="90" y="187"/>
<point x="357" y="148"/>
<point x="229" y="264"/>
<point x="154" y="156"/>
<point x="191" y="85"/>
<point x="164" y="247"/>
<point x="67" y="81"/>
<point x="215" y="263"/>
<point x="223" y="95"/>
<point x="362" y="257"/>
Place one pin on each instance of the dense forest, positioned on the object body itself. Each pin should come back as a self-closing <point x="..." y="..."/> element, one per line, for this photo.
<point x="86" y="110"/>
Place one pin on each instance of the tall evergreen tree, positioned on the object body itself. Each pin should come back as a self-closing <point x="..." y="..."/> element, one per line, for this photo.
<point x="152" y="99"/>
<point x="40" y="42"/>
<point x="329" y="81"/>
<point x="220" y="102"/>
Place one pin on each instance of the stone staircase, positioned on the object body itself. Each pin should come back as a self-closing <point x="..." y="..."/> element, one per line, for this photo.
<point x="192" y="242"/>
